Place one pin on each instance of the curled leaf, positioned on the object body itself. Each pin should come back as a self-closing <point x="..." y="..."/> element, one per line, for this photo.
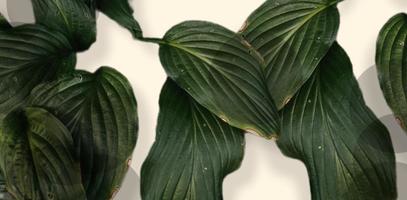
<point x="346" y="149"/>
<point x="100" y="111"/>
<point x="391" y="63"/>
<point x="193" y="152"/>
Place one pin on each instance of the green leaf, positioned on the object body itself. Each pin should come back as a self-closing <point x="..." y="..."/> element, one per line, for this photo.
<point x="346" y="149"/>
<point x="121" y="12"/>
<point x="100" y="111"/>
<point x="74" y="18"/>
<point x="391" y="62"/>
<point x="29" y="55"/>
<point x="292" y="36"/>
<point x="37" y="157"/>
<point x="4" y="24"/>
<point x="217" y="68"/>
<point x="193" y="152"/>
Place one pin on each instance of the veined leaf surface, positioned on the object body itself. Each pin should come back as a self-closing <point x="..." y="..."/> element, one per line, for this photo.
<point x="391" y="63"/>
<point x="346" y="149"/>
<point x="221" y="72"/>
<point x="29" y="55"/>
<point x="100" y="110"/>
<point x="292" y="36"/>
<point x="74" y="18"/>
<point x="37" y="157"/>
<point x="193" y="152"/>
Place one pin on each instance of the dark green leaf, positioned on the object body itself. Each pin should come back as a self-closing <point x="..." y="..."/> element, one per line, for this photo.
<point x="121" y="12"/>
<point x="37" y="157"/>
<point x="218" y="69"/>
<point x="29" y="55"/>
<point x="193" y="152"/>
<point x="74" y="18"/>
<point x="100" y="111"/>
<point x="391" y="62"/>
<point x="346" y="149"/>
<point x="4" y="24"/>
<point x="292" y="36"/>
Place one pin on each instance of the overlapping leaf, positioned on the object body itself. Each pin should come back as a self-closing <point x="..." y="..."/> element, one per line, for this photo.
<point x="217" y="68"/>
<point x="391" y="62"/>
<point x="193" y="152"/>
<point x="121" y="12"/>
<point x="29" y="55"/>
<point x="100" y="111"/>
<point x="292" y="36"/>
<point x="74" y="18"/>
<point x="346" y="149"/>
<point x="37" y="157"/>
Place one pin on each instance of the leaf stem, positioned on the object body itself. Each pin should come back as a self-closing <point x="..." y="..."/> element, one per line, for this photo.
<point x="153" y="40"/>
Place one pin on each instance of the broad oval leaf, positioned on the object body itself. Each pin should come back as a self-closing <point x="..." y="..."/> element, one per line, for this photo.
<point x="121" y="12"/>
<point x="193" y="152"/>
<point x="100" y="110"/>
<point x="391" y="63"/>
<point x="74" y="18"/>
<point x="36" y="152"/>
<point x="29" y="55"/>
<point x="346" y="149"/>
<point x="292" y="36"/>
<point x="222" y="73"/>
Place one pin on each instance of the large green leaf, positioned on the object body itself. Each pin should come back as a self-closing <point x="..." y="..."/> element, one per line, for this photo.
<point x="346" y="149"/>
<point x="391" y="62"/>
<point x="193" y="152"/>
<point x="29" y="55"/>
<point x="292" y="36"/>
<point x="74" y="18"/>
<point x="100" y="111"/>
<point x="121" y="12"/>
<point x="217" y="68"/>
<point x="37" y="157"/>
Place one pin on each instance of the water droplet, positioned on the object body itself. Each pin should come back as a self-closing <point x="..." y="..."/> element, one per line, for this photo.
<point x="204" y="125"/>
<point x="205" y="168"/>
<point x="277" y="3"/>
<point x="319" y="147"/>
<point x="316" y="58"/>
<point x="309" y="101"/>
<point x="188" y="88"/>
<point x="182" y="71"/>
<point x="212" y="30"/>
<point x="402" y="44"/>
<point x="50" y="195"/>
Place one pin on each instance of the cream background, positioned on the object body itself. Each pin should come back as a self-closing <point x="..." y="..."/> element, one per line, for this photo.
<point x="265" y="172"/>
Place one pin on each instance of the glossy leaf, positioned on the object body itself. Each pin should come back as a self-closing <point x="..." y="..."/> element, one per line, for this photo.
<point x="391" y="62"/>
<point x="37" y="157"/>
<point x="100" y="111"/>
<point x="222" y="73"/>
<point x="121" y="12"/>
<point x="292" y="36"/>
<point x="29" y="55"/>
<point x="346" y="149"/>
<point x="74" y="18"/>
<point x="193" y="152"/>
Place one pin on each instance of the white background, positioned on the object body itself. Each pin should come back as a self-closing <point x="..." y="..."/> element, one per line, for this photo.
<point x="265" y="172"/>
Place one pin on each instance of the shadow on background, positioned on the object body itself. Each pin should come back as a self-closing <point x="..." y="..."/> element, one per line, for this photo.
<point x="130" y="188"/>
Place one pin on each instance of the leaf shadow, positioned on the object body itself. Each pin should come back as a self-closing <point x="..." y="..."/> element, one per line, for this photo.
<point x="263" y="154"/>
<point x="130" y="188"/>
